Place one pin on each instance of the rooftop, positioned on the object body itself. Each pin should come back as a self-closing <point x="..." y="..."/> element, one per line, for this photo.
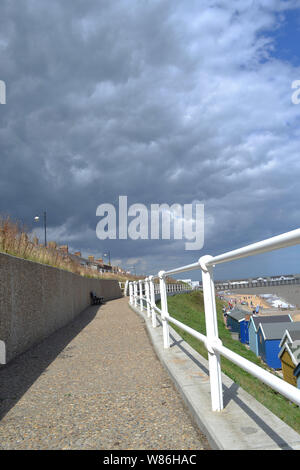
<point x="257" y="319"/>
<point x="238" y="314"/>
<point x="293" y="350"/>
<point x="277" y="330"/>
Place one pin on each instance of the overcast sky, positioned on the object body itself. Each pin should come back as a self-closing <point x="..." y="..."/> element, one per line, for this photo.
<point x="164" y="101"/>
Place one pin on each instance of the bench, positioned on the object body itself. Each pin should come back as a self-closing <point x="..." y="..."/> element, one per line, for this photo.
<point x="96" y="300"/>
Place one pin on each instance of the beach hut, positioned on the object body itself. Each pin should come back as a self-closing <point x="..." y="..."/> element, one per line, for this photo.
<point x="238" y="321"/>
<point x="269" y="336"/>
<point x="297" y="375"/>
<point x="291" y="334"/>
<point x="254" y="322"/>
<point x="289" y="356"/>
<point x="290" y="353"/>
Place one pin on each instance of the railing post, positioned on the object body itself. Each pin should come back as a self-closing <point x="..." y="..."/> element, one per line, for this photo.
<point x="147" y="291"/>
<point x="212" y="334"/>
<point x="152" y="299"/>
<point x="130" y="293"/>
<point x="164" y="308"/>
<point x="141" y="295"/>
<point x="135" y="293"/>
<point x="126" y="288"/>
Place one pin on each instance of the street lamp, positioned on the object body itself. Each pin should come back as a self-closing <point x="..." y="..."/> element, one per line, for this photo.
<point x="37" y="218"/>
<point x="107" y="254"/>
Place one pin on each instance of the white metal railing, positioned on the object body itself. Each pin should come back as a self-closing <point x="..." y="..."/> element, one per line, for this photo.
<point x="212" y="341"/>
<point x="124" y="287"/>
<point x="170" y="287"/>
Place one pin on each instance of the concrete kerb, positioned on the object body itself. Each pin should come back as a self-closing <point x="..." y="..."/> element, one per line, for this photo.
<point x="244" y="424"/>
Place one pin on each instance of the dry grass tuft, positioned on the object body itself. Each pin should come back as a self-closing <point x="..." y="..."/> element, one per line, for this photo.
<point x="14" y="240"/>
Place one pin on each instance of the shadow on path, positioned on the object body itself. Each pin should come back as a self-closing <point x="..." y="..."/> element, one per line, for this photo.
<point x="18" y="375"/>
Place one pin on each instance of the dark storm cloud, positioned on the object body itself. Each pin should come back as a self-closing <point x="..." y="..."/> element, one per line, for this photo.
<point x="161" y="101"/>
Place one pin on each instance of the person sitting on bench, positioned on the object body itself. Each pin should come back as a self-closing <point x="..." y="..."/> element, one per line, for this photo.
<point x="96" y="300"/>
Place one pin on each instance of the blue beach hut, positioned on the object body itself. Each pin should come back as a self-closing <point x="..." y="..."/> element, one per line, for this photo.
<point x="269" y="336"/>
<point x="254" y="322"/>
<point x="237" y="321"/>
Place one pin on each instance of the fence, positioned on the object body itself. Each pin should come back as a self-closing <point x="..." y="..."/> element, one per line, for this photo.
<point x="212" y="341"/>
<point x="124" y="287"/>
<point x="170" y="287"/>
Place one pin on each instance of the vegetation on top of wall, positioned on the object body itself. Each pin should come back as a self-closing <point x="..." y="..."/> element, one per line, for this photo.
<point x="14" y="240"/>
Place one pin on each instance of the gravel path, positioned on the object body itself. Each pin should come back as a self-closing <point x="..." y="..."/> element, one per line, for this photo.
<point x="95" y="384"/>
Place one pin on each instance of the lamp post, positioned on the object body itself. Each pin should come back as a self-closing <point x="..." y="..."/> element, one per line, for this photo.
<point x="107" y="254"/>
<point x="37" y="218"/>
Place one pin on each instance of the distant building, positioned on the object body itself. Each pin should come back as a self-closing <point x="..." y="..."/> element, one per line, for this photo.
<point x="193" y="284"/>
<point x="258" y="282"/>
<point x="64" y="248"/>
<point x="91" y="262"/>
<point x="196" y="284"/>
<point x="186" y="281"/>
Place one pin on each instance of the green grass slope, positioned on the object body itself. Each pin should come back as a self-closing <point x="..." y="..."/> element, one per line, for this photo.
<point x="189" y="309"/>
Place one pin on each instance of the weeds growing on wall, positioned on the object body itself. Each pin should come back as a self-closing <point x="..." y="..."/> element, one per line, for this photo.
<point x="15" y="240"/>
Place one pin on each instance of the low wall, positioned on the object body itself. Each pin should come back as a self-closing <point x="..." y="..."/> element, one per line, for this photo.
<point x="36" y="300"/>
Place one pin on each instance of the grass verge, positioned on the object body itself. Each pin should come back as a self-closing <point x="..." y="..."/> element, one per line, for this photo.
<point x="189" y="309"/>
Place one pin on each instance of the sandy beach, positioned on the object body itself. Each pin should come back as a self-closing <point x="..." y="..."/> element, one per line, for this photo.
<point x="252" y="300"/>
<point x="265" y="308"/>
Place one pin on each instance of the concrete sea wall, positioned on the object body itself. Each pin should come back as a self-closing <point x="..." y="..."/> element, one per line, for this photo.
<point x="36" y="300"/>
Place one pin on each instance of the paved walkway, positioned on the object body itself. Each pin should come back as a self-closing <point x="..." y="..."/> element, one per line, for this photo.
<point x="95" y="384"/>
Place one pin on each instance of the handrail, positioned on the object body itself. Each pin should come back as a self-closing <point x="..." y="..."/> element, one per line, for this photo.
<point x="183" y="269"/>
<point x="270" y="244"/>
<point x="268" y="378"/>
<point x="211" y="340"/>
